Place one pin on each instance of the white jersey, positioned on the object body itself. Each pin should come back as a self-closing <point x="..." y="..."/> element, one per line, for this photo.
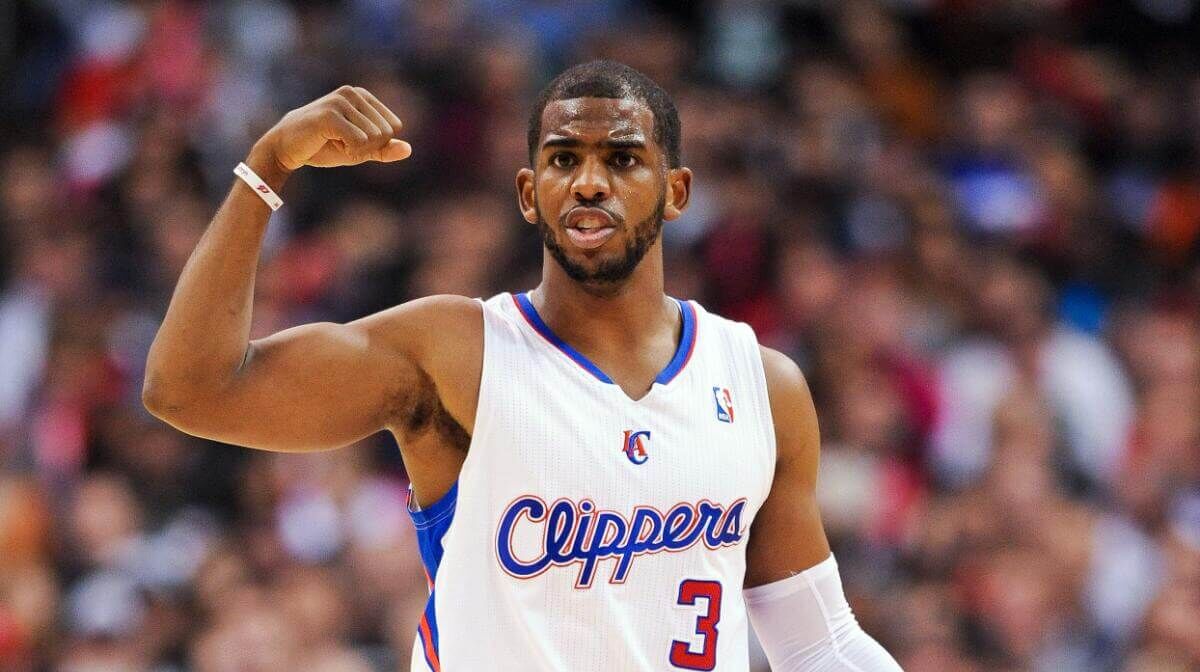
<point x="590" y="531"/>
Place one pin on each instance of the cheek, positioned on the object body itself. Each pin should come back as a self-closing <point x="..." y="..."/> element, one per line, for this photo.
<point x="640" y="190"/>
<point x="550" y="190"/>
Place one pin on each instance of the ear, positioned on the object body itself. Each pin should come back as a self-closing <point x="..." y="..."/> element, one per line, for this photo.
<point x="679" y="190"/>
<point x="526" y="200"/>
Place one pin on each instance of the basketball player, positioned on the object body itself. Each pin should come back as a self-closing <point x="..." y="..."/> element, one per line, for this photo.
<point x="603" y="477"/>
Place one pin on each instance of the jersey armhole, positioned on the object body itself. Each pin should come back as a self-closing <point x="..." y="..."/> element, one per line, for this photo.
<point x="767" y="418"/>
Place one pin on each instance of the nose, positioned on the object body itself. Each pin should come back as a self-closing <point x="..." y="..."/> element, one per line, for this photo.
<point x="591" y="181"/>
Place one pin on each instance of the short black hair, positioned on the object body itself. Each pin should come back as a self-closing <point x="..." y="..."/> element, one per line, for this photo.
<point x="610" y="79"/>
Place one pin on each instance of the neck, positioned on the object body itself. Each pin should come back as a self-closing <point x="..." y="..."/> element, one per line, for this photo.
<point x="624" y="312"/>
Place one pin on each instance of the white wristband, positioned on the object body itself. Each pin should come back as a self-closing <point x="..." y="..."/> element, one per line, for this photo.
<point x="256" y="183"/>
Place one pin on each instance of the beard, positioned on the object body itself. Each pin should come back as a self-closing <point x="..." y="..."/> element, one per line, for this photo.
<point x="609" y="271"/>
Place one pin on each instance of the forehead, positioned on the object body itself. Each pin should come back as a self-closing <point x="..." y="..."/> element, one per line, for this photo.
<point x="598" y="117"/>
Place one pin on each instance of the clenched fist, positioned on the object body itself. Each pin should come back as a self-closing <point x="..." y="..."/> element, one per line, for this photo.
<point x="343" y="128"/>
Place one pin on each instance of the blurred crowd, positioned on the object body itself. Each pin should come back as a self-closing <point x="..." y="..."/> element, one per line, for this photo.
<point x="975" y="225"/>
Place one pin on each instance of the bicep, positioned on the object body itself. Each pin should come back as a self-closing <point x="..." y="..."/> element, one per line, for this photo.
<point x="311" y="387"/>
<point x="787" y="536"/>
<point x="325" y="385"/>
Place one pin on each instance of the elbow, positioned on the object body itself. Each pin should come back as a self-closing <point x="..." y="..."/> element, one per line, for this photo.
<point x="185" y="408"/>
<point x="166" y="401"/>
<point x="171" y="391"/>
<point x="158" y="402"/>
<point x="176" y="410"/>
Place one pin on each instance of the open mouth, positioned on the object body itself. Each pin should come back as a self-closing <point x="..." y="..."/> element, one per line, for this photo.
<point x="590" y="238"/>
<point x="589" y="228"/>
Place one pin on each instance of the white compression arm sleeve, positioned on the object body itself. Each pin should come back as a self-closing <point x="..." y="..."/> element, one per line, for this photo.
<point x="805" y="625"/>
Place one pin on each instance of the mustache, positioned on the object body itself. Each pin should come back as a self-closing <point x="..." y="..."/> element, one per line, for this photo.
<point x="562" y="219"/>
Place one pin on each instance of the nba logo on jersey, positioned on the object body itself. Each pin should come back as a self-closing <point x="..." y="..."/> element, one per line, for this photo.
<point x="724" y="404"/>
<point x="634" y="447"/>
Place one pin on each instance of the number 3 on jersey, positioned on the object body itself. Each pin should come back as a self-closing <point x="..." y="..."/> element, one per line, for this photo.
<point x="706" y="625"/>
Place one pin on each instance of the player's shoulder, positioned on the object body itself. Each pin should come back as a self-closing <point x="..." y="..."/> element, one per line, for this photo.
<point x="779" y="366"/>
<point x="445" y="308"/>
<point x="776" y="364"/>
<point x="437" y="309"/>
<point x="441" y="319"/>
<point x="792" y="409"/>
<point x="785" y="381"/>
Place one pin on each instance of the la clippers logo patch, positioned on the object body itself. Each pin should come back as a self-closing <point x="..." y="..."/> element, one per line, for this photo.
<point x="724" y="404"/>
<point x="634" y="445"/>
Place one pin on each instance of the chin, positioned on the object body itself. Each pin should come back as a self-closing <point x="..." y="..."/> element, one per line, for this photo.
<point x="603" y="268"/>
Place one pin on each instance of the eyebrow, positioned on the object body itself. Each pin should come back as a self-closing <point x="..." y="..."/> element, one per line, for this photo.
<point x="634" y="142"/>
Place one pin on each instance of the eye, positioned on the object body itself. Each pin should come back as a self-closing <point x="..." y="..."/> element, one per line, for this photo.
<point x="562" y="160"/>
<point x="624" y="160"/>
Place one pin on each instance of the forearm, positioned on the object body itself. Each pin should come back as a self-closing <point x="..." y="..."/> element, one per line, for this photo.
<point x="206" y="330"/>
<point x="805" y="625"/>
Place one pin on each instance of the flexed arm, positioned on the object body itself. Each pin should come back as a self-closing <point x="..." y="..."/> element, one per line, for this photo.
<point x="310" y="387"/>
